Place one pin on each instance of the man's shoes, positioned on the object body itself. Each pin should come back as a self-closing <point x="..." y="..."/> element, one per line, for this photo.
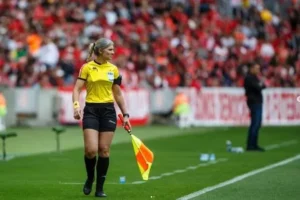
<point x="257" y="148"/>
<point x="100" y="194"/>
<point x="87" y="188"/>
<point x="260" y="149"/>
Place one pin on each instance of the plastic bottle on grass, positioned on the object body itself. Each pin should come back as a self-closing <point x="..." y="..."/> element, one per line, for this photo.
<point x="212" y="157"/>
<point x="122" y="179"/>
<point x="228" y="146"/>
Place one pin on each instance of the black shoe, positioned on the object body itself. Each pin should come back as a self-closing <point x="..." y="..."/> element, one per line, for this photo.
<point x="87" y="188"/>
<point x="260" y="149"/>
<point x="100" y="194"/>
<point x="250" y="148"/>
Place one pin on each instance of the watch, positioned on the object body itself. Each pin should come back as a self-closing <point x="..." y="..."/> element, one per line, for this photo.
<point x="126" y="115"/>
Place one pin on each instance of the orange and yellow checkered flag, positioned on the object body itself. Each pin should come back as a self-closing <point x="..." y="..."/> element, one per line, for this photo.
<point x="144" y="156"/>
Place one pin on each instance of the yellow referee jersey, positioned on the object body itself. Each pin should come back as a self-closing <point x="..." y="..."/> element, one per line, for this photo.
<point x="99" y="79"/>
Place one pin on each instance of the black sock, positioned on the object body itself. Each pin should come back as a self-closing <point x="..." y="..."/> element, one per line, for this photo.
<point x="102" y="166"/>
<point x="90" y="167"/>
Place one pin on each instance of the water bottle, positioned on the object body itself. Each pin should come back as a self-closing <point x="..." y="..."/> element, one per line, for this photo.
<point x="122" y="179"/>
<point x="237" y="150"/>
<point x="212" y="157"/>
<point x="204" y="157"/>
<point x="228" y="146"/>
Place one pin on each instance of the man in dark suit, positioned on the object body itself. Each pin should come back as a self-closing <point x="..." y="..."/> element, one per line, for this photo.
<point x="253" y="90"/>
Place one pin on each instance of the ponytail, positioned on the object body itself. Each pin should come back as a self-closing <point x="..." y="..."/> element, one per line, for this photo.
<point x="91" y="51"/>
<point x="96" y="47"/>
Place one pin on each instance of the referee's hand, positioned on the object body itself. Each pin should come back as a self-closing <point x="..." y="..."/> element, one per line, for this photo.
<point x="126" y="122"/>
<point x="77" y="113"/>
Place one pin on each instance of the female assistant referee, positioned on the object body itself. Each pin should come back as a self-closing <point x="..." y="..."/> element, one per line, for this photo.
<point x="102" y="81"/>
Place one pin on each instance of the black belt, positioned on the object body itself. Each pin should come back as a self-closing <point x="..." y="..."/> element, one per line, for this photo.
<point x="99" y="105"/>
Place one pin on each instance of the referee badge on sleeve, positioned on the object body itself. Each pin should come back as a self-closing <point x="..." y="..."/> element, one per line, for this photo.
<point x="110" y="76"/>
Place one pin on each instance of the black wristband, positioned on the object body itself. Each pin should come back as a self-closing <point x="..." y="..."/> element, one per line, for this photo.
<point x="126" y="115"/>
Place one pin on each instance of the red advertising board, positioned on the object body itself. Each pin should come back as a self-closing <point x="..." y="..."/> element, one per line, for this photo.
<point x="227" y="106"/>
<point x="137" y="101"/>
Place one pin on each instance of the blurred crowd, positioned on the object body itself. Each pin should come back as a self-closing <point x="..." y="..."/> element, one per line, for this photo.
<point x="158" y="43"/>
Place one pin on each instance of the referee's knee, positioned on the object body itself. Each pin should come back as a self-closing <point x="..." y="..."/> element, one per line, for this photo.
<point x="103" y="151"/>
<point x="90" y="152"/>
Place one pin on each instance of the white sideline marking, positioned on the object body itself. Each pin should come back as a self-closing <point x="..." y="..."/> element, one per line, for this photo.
<point x="269" y="147"/>
<point x="238" y="178"/>
<point x="283" y="144"/>
<point x="71" y="183"/>
<point x="182" y="170"/>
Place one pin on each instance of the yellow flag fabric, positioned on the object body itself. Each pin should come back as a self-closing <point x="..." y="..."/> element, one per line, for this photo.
<point x="144" y="157"/>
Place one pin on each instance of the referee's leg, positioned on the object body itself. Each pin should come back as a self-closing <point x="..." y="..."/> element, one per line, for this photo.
<point x="105" y="140"/>
<point x="107" y="127"/>
<point x="90" y="133"/>
<point x="90" y="152"/>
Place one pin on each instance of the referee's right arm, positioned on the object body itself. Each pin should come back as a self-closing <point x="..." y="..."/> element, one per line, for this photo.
<point x="80" y="82"/>
<point x="75" y="97"/>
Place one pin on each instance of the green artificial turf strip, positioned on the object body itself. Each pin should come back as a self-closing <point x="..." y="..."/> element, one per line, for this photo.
<point x="39" y="176"/>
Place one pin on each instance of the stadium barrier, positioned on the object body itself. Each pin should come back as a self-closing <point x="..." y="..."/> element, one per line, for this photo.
<point x="210" y="106"/>
<point x="227" y="106"/>
<point x="137" y="101"/>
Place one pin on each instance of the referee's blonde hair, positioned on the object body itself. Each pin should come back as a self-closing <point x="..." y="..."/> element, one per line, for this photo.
<point x="95" y="47"/>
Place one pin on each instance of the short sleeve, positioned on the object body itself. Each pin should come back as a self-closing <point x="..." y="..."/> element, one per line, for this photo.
<point x="117" y="77"/>
<point x="83" y="73"/>
<point x="116" y="73"/>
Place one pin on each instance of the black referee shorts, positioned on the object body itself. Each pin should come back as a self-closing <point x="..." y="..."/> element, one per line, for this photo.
<point x="99" y="116"/>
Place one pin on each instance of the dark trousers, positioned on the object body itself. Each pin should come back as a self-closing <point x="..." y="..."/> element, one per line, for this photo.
<point x="256" y="119"/>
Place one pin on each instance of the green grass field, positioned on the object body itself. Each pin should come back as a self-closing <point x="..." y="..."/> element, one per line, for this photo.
<point x="40" y="173"/>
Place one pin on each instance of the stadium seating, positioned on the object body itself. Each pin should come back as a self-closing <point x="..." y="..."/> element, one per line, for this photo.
<point x="158" y="43"/>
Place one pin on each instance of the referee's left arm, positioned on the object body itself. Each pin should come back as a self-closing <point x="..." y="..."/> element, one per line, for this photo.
<point x="119" y="98"/>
